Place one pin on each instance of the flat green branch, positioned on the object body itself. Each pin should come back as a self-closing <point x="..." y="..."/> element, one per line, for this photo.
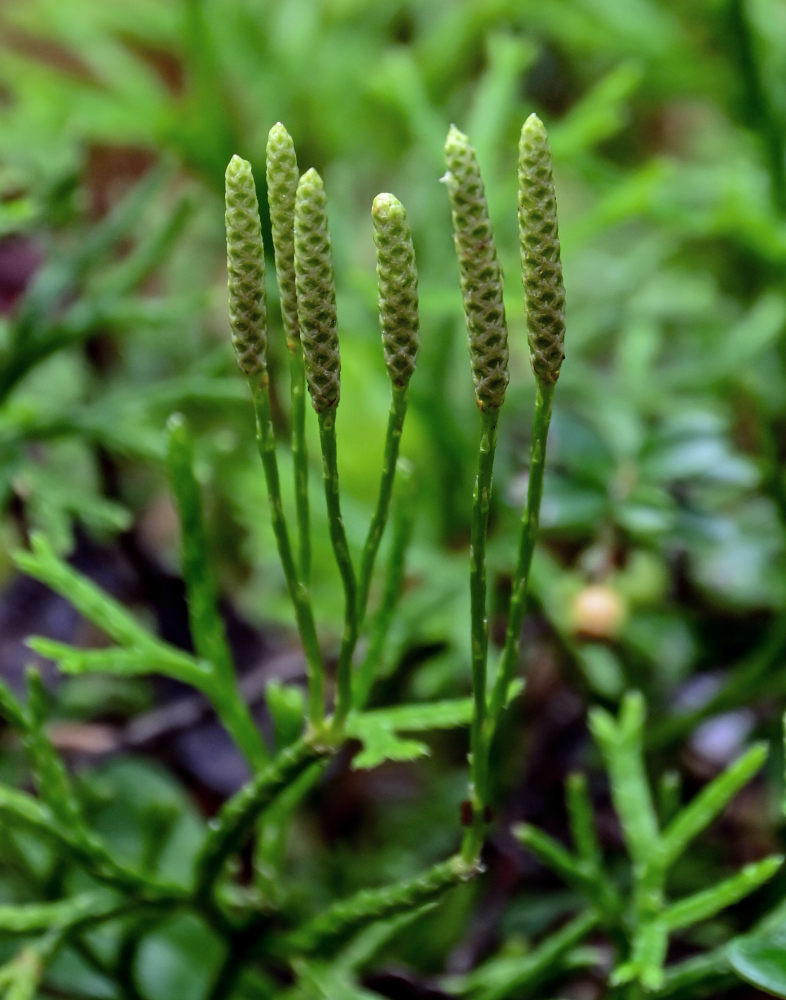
<point x="591" y="883"/>
<point x="60" y="924"/>
<point x="76" y="914"/>
<point x="705" y="904"/>
<point x="235" y="821"/>
<point x="51" y="778"/>
<point x="499" y="978"/>
<point x="35" y="918"/>
<point x="349" y="915"/>
<point x="711" y="800"/>
<point x="155" y="658"/>
<point x="18" y="808"/>
<point x="44" y="565"/>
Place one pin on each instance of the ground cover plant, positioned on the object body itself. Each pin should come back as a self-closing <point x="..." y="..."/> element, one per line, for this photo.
<point x="635" y="839"/>
<point x="262" y="940"/>
<point x="305" y="278"/>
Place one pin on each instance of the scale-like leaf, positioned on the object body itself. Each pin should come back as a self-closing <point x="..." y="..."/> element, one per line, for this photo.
<point x="109" y="615"/>
<point x="703" y="809"/>
<point x="124" y="662"/>
<point x="36" y="918"/>
<point x="708" y="902"/>
<point x="342" y="919"/>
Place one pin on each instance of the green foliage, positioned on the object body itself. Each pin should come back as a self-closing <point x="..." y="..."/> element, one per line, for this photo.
<point x="759" y="959"/>
<point x="502" y="977"/>
<point x="663" y="498"/>
<point x="642" y="923"/>
<point x="236" y="913"/>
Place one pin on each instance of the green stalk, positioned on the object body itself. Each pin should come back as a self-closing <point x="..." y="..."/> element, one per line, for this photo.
<point x="527" y="537"/>
<point x="544" y="293"/>
<point x="282" y="180"/>
<point x="338" y="538"/>
<point x="235" y="821"/>
<point x="398" y="410"/>
<point x="480" y="276"/>
<point x="347" y="916"/>
<point x="403" y="520"/>
<point x="248" y="322"/>
<point x="298" y="591"/>
<point x="481" y="498"/>
<point x="397" y="282"/>
<point x="316" y="309"/>
<point x="297" y="389"/>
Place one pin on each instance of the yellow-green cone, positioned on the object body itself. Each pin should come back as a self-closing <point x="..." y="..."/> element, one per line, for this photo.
<point x="481" y="275"/>
<point x="316" y="293"/>
<point x="246" y="272"/>
<point x="282" y="178"/>
<point x="541" y="268"/>
<point x="397" y="280"/>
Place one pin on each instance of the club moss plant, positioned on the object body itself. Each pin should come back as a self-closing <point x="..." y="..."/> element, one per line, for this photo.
<point x="258" y="928"/>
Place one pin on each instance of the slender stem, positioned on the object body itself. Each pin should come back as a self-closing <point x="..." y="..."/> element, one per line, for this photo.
<point x="481" y="499"/>
<point x="403" y="519"/>
<point x="345" y="917"/>
<point x="398" y="410"/>
<point x="338" y="538"/>
<point x="527" y="537"/>
<point x="297" y="376"/>
<point x="298" y="591"/>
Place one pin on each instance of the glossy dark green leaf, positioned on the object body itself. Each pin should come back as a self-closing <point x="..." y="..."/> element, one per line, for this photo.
<point x="760" y="959"/>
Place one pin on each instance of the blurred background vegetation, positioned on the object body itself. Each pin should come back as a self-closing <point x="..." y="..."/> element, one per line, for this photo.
<point x="664" y="544"/>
